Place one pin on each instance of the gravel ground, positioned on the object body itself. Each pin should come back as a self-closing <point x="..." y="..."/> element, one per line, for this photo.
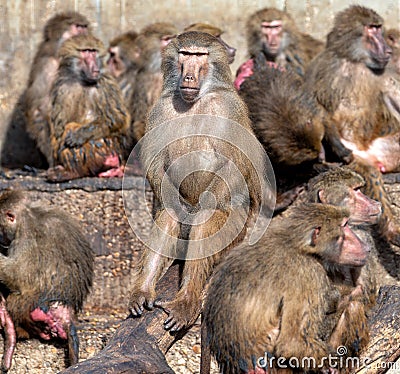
<point x="33" y="356"/>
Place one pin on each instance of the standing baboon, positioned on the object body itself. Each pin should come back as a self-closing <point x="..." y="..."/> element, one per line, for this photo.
<point x="123" y="62"/>
<point x="43" y="72"/>
<point x="289" y="270"/>
<point x="348" y="81"/>
<point x="88" y="118"/>
<point x="273" y="35"/>
<point x="217" y="32"/>
<point x="286" y="122"/>
<point x="46" y="264"/>
<point x="148" y="82"/>
<point x="197" y="81"/>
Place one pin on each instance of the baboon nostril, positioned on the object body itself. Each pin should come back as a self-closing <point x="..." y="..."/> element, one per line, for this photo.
<point x="189" y="78"/>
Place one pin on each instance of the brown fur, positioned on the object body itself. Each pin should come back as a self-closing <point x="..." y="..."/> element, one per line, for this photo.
<point x="357" y="287"/>
<point x="92" y="116"/>
<point x="267" y="309"/>
<point x="148" y="81"/>
<point x="285" y="121"/>
<point x="392" y="37"/>
<point x="351" y="88"/>
<point x="205" y="27"/>
<point x="46" y="263"/>
<point x="215" y="31"/>
<point x="123" y="62"/>
<point x="297" y="48"/>
<point x="42" y="75"/>
<point x="216" y="96"/>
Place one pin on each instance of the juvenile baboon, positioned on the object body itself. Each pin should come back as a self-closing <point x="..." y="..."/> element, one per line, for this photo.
<point x="348" y="81"/>
<point x="285" y="121"/>
<point x="358" y="287"/>
<point x="46" y="264"/>
<point x="217" y="32"/>
<point x="273" y="35"/>
<point x="341" y="186"/>
<point x="242" y="332"/>
<point x="148" y="82"/>
<point x="88" y="118"/>
<point x="43" y="72"/>
<point x="123" y="62"/>
<point x="197" y="81"/>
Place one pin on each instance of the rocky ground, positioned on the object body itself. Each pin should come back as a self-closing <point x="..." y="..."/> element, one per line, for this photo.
<point x="34" y="357"/>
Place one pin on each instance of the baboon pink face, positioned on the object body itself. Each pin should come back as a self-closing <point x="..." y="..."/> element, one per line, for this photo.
<point x="379" y="52"/>
<point x="272" y="33"/>
<point x="90" y="65"/>
<point x="346" y="249"/>
<point x="193" y="67"/>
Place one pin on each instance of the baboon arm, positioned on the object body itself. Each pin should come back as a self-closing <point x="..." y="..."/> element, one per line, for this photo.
<point x="333" y="137"/>
<point x="7" y="272"/>
<point x="300" y="326"/>
<point x="77" y="134"/>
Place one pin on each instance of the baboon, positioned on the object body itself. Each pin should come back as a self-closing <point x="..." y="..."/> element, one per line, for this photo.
<point x="348" y="81"/>
<point x="43" y="72"/>
<point x="392" y="38"/>
<point x="273" y="35"/>
<point x="285" y="121"/>
<point x="46" y="266"/>
<point x="123" y="62"/>
<point x="148" y="82"/>
<point x="358" y="287"/>
<point x="197" y="82"/>
<point x="384" y="151"/>
<point x="341" y="186"/>
<point x="243" y="332"/>
<point x="217" y="32"/>
<point x="88" y="118"/>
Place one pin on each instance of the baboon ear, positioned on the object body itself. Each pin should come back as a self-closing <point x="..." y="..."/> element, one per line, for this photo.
<point x="137" y="52"/>
<point x="322" y="197"/>
<point x="314" y="236"/>
<point x="10" y="216"/>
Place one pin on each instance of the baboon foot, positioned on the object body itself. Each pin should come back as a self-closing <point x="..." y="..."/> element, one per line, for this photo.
<point x="182" y="312"/>
<point x="139" y="300"/>
<point x="60" y="174"/>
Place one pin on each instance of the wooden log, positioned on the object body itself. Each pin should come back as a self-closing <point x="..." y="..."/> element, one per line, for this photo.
<point x="384" y="346"/>
<point x="140" y="344"/>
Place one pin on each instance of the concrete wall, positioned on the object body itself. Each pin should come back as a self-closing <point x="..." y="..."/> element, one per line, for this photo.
<point x="22" y="21"/>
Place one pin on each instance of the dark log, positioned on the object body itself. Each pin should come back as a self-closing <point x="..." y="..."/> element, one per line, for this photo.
<point x="139" y="345"/>
<point x="384" y="346"/>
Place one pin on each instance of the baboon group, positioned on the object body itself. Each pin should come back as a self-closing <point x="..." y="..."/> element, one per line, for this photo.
<point x="324" y="114"/>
